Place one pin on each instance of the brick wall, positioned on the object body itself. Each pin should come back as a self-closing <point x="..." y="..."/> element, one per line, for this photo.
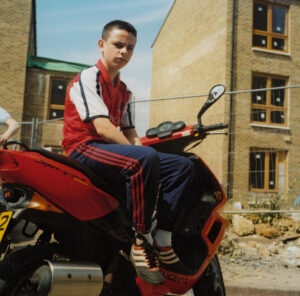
<point x="15" y="22"/>
<point x="36" y="104"/>
<point x="194" y="50"/>
<point x="190" y="54"/>
<point x="248" y="61"/>
<point x="24" y="93"/>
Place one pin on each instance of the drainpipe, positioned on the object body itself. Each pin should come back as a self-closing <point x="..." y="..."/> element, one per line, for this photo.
<point x="231" y="108"/>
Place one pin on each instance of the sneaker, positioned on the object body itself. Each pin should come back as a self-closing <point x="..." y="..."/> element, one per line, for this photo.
<point x="144" y="257"/>
<point x="169" y="260"/>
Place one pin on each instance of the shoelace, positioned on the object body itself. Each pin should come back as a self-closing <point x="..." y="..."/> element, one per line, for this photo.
<point x="150" y="254"/>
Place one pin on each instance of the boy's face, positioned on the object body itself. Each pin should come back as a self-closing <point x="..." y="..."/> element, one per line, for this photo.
<point x="117" y="49"/>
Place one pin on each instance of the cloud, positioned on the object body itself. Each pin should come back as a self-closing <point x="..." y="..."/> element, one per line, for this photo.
<point x="150" y="16"/>
<point x="68" y="30"/>
<point x="75" y="16"/>
<point x="78" y="7"/>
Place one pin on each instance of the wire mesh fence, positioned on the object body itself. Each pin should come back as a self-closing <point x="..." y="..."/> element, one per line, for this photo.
<point x="257" y="160"/>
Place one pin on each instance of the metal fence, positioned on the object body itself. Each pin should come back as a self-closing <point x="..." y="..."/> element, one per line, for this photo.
<point x="40" y="133"/>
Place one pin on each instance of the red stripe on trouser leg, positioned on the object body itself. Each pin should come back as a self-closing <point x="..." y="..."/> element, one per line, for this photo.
<point x="140" y="167"/>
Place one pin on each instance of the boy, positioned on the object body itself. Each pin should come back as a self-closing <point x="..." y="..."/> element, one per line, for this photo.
<point x="12" y="126"/>
<point x="99" y="132"/>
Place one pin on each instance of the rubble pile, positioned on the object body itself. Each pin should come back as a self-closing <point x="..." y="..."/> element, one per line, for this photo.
<point x="250" y="241"/>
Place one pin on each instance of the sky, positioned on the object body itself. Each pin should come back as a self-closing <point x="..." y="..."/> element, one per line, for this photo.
<point x="68" y="30"/>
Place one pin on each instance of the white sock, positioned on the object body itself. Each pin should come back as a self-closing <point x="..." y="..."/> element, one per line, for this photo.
<point x="148" y="237"/>
<point x="163" y="237"/>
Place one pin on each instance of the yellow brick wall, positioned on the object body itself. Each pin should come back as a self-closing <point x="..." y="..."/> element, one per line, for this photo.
<point x="194" y="50"/>
<point x="37" y="106"/>
<point x="24" y="92"/>
<point x="15" y="22"/>
<point x="190" y="55"/>
<point x="249" y="60"/>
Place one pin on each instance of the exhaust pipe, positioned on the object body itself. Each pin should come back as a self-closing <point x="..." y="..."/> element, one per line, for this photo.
<point x="68" y="278"/>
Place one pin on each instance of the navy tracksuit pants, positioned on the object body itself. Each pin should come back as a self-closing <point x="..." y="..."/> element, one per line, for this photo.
<point x="145" y="172"/>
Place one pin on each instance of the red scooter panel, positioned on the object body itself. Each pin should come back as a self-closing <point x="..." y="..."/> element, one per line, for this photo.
<point x="74" y="192"/>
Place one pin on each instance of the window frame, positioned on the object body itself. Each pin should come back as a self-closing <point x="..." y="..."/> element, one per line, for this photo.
<point x="269" y="34"/>
<point x="55" y="106"/>
<point x="268" y="107"/>
<point x="281" y="156"/>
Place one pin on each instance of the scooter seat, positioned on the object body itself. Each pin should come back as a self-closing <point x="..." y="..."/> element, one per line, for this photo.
<point x="95" y="179"/>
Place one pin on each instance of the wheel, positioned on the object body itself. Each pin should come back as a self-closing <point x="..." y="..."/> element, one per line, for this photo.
<point x="17" y="269"/>
<point x="24" y="286"/>
<point x="124" y="281"/>
<point x="211" y="282"/>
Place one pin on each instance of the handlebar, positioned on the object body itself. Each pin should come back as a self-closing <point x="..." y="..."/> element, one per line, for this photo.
<point x="208" y="128"/>
<point x="14" y="142"/>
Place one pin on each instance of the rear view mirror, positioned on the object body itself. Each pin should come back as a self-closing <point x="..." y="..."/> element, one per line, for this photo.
<point x="214" y="94"/>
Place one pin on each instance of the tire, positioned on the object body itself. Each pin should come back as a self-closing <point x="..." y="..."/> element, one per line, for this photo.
<point x="23" y="287"/>
<point x="124" y="281"/>
<point x="17" y="269"/>
<point x="211" y="282"/>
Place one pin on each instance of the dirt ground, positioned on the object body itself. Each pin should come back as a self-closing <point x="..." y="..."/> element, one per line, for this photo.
<point x="264" y="273"/>
<point x="264" y="263"/>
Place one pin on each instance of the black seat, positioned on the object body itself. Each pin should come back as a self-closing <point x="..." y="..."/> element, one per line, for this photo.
<point x="95" y="179"/>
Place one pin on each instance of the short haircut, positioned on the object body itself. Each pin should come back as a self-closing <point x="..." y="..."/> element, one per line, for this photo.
<point x="118" y="24"/>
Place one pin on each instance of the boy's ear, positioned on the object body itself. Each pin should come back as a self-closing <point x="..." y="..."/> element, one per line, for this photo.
<point x="100" y="43"/>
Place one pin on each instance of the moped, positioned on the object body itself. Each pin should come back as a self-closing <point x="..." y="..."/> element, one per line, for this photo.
<point x="62" y="231"/>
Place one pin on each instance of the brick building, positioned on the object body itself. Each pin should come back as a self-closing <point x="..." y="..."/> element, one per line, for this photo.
<point x="44" y="97"/>
<point x="32" y="88"/>
<point x="245" y="45"/>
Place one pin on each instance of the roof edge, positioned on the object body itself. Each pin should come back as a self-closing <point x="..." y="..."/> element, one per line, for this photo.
<point x="163" y="23"/>
<point x="54" y="65"/>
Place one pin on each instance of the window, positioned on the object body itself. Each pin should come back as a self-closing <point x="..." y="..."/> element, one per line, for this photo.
<point x="266" y="170"/>
<point x="269" y="106"/>
<point x="270" y="26"/>
<point x="58" y="87"/>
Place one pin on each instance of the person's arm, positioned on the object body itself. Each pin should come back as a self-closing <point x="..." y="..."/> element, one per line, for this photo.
<point x="108" y="132"/>
<point x="132" y="136"/>
<point x="12" y="128"/>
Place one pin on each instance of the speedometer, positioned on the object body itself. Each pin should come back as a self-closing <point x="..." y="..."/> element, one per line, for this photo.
<point x="165" y="129"/>
<point x="165" y="126"/>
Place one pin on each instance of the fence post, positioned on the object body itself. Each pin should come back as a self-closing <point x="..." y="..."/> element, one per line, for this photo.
<point x="36" y="126"/>
<point x="32" y="132"/>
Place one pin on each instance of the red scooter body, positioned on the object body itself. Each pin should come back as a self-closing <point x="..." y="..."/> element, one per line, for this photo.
<point x="67" y="187"/>
<point x="72" y="191"/>
<point x="212" y="231"/>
